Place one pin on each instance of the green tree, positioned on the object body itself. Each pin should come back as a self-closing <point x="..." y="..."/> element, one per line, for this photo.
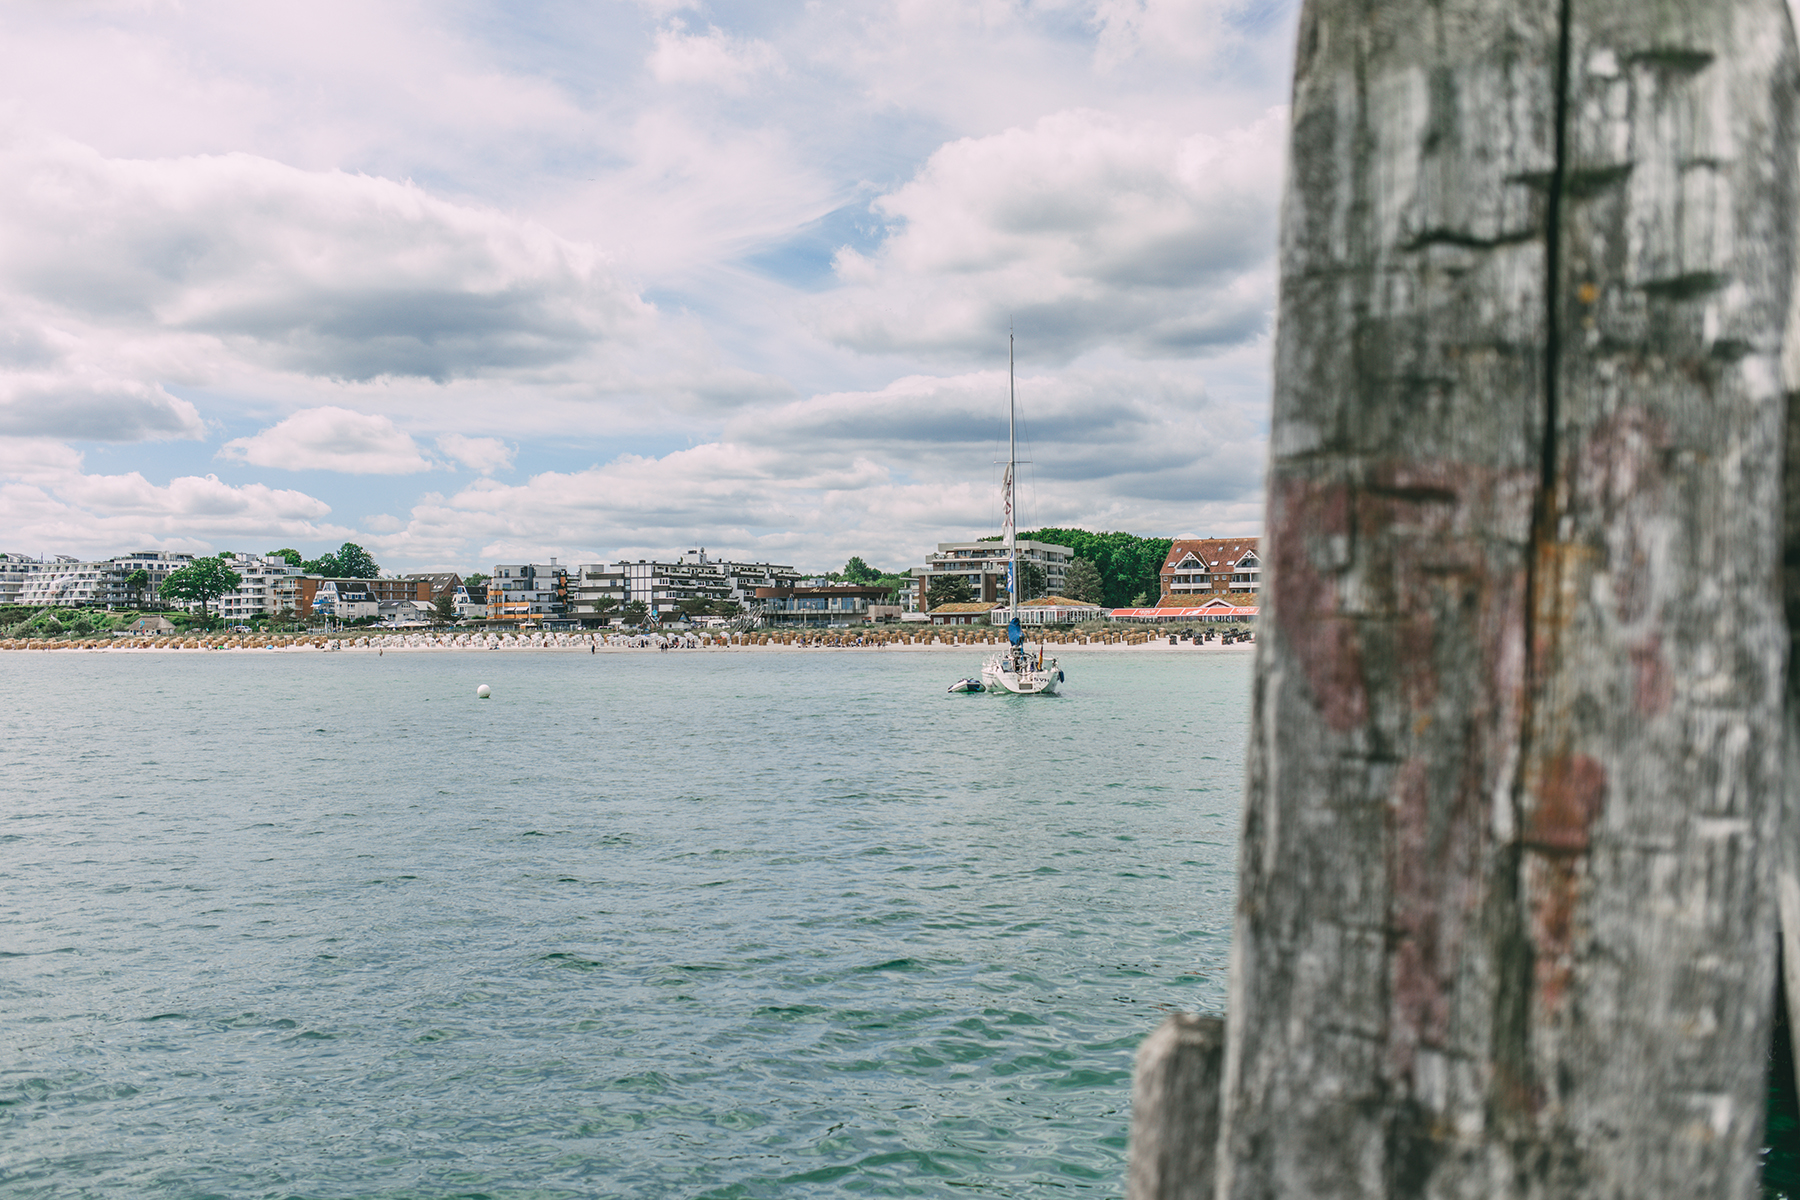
<point x="1031" y="581"/>
<point x="1128" y="564"/>
<point x="201" y="581"/>
<point x="294" y="557"/>
<point x="444" y="608"/>
<point x="474" y="579"/>
<point x="947" y="589"/>
<point x="635" y="613"/>
<point x="356" y="563"/>
<point x="858" y="571"/>
<point x="699" y="606"/>
<point x="1083" y="582"/>
<point x="135" y="583"/>
<point x="349" y="561"/>
<point x="726" y="608"/>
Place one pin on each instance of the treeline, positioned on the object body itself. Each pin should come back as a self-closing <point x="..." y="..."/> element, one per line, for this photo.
<point x="349" y="561"/>
<point x="1130" y="566"/>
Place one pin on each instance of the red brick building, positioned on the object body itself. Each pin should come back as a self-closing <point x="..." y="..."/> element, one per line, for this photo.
<point x="1198" y="568"/>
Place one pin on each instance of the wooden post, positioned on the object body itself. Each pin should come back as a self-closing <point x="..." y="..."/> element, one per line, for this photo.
<point x="1175" y="1110"/>
<point x="1507" y="890"/>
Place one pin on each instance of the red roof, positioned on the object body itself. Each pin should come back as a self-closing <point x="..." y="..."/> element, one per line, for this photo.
<point x="1212" y="552"/>
<point x="1211" y="610"/>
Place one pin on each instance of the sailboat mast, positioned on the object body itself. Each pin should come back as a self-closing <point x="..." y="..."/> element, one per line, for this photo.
<point x="1012" y="462"/>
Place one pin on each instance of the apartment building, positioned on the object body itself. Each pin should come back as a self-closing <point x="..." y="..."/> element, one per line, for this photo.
<point x="69" y="582"/>
<point x="14" y="570"/>
<point x="344" y="600"/>
<point x="471" y="601"/>
<point x="984" y="565"/>
<point x="413" y="587"/>
<point x="269" y="586"/>
<point x="536" y="592"/>
<point x="695" y="575"/>
<point x="597" y="592"/>
<point x="438" y="584"/>
<point x="1202" y="567"/>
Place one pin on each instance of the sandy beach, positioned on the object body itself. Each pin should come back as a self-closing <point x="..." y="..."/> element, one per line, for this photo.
<point x="945" y="640"/>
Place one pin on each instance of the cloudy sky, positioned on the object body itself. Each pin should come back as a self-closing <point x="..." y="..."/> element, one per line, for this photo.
<point x="471" y="281"/>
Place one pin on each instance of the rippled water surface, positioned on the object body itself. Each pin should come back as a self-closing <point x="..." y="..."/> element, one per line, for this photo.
<point x="659" y="925"/>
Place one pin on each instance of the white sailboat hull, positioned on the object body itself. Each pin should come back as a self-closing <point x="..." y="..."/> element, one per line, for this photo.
<point x="1003" y="673"/>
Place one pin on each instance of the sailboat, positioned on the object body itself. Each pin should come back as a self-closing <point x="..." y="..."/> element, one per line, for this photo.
<point x="1016" y="669"/>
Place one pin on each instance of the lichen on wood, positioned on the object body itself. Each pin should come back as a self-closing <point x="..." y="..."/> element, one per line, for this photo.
<point x="1507" y="886"/>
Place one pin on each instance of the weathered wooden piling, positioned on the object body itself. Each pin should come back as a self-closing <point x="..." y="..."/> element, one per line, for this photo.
<point x="1175" y="1098"/>
<point x="1507" y="904"/>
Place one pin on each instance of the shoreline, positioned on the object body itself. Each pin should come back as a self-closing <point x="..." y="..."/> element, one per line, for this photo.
<point x="400" y="643"/>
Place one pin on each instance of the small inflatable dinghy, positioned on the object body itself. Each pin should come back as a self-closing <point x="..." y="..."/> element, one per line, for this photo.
<point x="968" y="685"/>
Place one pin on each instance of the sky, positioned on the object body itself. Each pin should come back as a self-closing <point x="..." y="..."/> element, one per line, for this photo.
<point x="469" y="283"/>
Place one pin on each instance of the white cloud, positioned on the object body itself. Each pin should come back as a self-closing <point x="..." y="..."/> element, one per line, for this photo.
<point x="325" y="273"/>
<point x="48" y="504"/>
<point x="331" y="439"/>
<point x="714" y="58"/>
<point x="484" y="454"/>
<point x="882" y="474"/>
<point x="1190" y="31"/>
<point x="506" y="230"/>
<point x="79" y="406"/>
<point x="1082" y="230"/>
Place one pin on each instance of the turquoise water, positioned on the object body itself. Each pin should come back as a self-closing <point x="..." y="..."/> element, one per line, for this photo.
<point x="660" y="925"/>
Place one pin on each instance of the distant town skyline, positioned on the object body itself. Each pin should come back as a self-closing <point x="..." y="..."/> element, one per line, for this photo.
<point x="496" y="283"/>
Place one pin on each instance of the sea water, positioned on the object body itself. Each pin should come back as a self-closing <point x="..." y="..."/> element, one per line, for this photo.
<point x="685" y="924"/>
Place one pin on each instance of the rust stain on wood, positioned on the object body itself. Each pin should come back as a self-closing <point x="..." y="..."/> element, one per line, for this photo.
<point x="1554" y="888"/>
<point x="1571" y="795"/>
<point x="1309" y="531"/>
<point x="1652" y="688"/>
<point x="1433" y="845"/>
<point x="1569" y="799"/>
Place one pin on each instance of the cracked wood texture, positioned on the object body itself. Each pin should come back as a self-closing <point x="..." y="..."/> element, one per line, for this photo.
<point x="1507" y="888"/>
<point x="1175" y="1110"/>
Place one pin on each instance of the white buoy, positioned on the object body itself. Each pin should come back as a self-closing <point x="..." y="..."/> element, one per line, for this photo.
<point x="483" y="691"/>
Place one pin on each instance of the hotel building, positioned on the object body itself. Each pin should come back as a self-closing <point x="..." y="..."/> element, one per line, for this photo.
<point x="1199" y="568"/>
<point x="983" y="564"/>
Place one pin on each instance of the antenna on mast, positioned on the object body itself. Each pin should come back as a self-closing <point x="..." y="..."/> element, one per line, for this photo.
<point x="1012" y="462"/>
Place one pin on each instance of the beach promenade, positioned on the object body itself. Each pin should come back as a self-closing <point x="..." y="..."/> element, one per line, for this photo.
<point x="902" y="641"/>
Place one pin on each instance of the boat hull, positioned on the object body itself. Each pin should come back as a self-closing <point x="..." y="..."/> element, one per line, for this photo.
<point x="1000" y="674"/>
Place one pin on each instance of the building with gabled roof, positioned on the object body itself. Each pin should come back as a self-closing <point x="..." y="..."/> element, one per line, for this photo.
<point x="1198" y="568"/>
<point x="438" y="584"/>
<point x="1052" y="610"/>
<point x="965" y="612"/>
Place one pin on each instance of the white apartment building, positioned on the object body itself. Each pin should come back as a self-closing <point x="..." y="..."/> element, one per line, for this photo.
<point x="983" y="564"/>
<point x="270" y="586"/>
<point x="71" y="582"/>
<point x="15" y="569"/>
<point x="471" y="602"/>
<point x="597" y="592"/>
<point x="155" y="563"/>
<point x="345" y="600"/>
<point x="528" y="592"/>
<point x="66" y="582"/>
<point x="662" y="586"/>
